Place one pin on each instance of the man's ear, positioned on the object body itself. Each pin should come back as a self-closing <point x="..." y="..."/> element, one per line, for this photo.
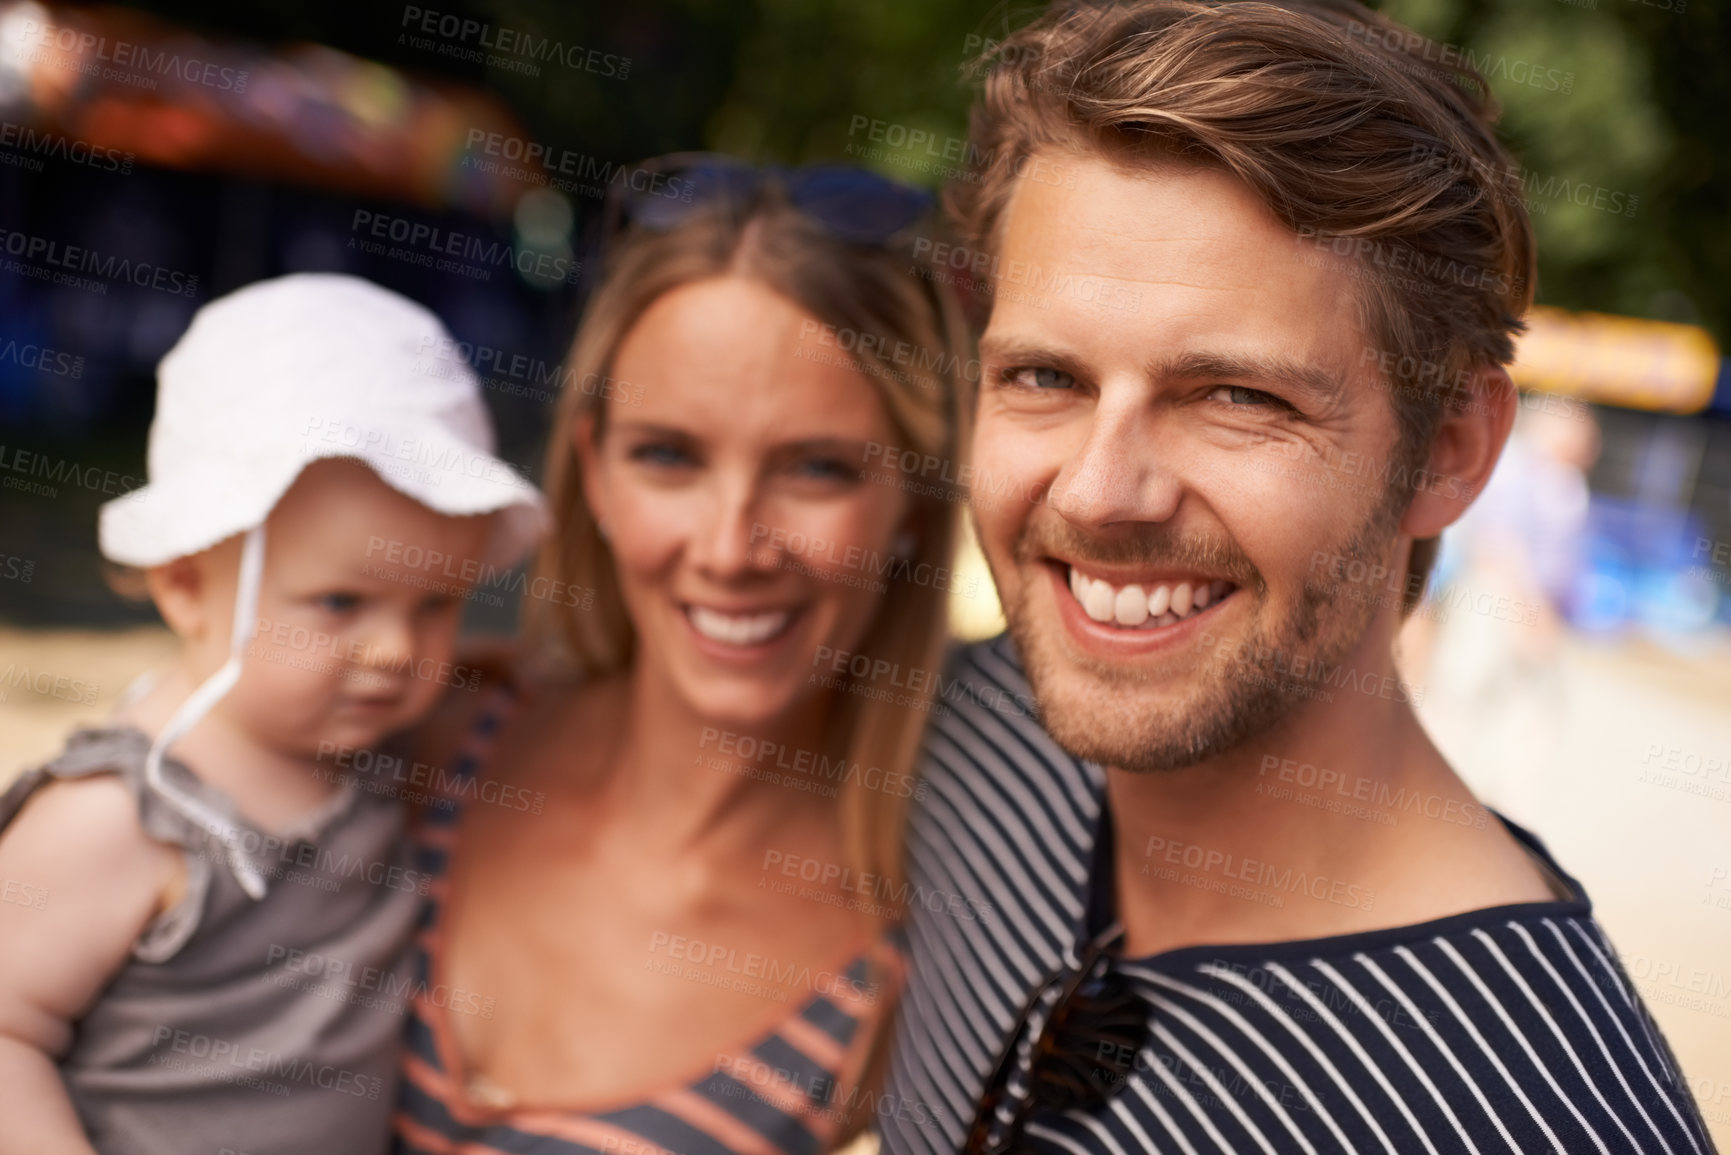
<point x="179" y="588"/>
<point x="1469" y="443"/>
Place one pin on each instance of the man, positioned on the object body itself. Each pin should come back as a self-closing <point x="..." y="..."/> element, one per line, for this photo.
<point x="1269" y="260"/>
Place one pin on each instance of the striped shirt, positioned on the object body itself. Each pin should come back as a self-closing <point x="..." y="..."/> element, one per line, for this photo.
<point x="791" y="1091"/>
<point x="1511" y="1030"/>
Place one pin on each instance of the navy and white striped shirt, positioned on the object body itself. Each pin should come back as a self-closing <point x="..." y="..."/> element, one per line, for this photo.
<point x="1511" y="1029"/>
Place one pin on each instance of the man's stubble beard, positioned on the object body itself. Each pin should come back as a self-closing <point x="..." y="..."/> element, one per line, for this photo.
<point x="1239" y="695"/>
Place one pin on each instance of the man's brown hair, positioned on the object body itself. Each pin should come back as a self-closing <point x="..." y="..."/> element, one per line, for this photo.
<point x="1361" y="135"/>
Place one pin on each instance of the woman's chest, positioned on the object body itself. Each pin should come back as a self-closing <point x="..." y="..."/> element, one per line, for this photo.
<point x="606" y="979"/>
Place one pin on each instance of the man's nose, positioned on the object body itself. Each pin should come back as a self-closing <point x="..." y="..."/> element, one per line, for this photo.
<point x="1123" y="473"/>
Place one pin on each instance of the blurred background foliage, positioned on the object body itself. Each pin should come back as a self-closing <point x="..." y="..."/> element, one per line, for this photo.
<point x="1645" y="117"/>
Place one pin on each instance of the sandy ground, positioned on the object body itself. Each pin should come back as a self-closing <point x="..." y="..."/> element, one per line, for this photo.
<point x="1616" y="748"/>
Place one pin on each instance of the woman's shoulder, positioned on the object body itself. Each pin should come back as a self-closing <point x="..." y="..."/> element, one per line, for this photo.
<point x="507" y="687"/>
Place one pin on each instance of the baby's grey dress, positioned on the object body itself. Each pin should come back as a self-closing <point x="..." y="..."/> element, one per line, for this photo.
<point x="243" y="1026"/>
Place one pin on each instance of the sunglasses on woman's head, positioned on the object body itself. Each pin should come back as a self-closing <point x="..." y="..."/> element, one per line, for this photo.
<point x="1086" y="1048"/>
<point x="851" y="204"/>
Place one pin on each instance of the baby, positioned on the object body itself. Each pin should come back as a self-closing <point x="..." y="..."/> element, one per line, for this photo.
<point x="216" y="957"/>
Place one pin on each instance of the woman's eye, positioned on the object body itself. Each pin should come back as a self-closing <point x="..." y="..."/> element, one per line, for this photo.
<point x="1036" y="377"/>
<point x="339" y="603"/>
<point x="1240" y="395"/>
<point x="437" y="603"/>
<point x="829" y="469"/>
<point x="660" y="453"/>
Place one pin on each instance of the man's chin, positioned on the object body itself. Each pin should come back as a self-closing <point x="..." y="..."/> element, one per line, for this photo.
<point x="1141" y="720"/>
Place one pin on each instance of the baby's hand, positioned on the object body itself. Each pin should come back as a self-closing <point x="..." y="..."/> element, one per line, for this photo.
<point x="94" y="880"/>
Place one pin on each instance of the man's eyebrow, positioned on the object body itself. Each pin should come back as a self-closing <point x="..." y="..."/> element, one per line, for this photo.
<point x="1021" y="351"/>
<point x="1320" y="383"/>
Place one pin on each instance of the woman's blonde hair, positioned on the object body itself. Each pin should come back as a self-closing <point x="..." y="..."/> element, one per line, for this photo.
<point x="889" y="315"/>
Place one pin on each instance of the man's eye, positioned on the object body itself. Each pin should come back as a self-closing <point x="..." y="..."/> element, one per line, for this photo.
<point x="1239" y="395"/>
<point x="1036" y="377"/>
<point x="340" y="603"/>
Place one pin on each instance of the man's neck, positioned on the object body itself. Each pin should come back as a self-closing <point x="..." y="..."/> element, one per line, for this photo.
<point x="1345" y="818"/>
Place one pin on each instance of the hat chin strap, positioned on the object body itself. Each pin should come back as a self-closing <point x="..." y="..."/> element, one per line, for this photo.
<point x="199" y="703"/>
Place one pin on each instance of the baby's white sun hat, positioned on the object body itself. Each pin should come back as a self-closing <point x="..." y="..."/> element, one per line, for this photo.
<point x="266" y="381"/>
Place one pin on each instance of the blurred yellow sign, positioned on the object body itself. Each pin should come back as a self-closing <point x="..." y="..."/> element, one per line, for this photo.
<point x="1621" y="361"/>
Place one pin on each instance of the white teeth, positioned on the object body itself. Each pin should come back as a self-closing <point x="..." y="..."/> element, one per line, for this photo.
<point x="1181" y="599"/>
<point x="1136" y="606"/>
<point x="737" y="629"/>
<point x="1098" y="602"/>
<point x="1159" y="600"/>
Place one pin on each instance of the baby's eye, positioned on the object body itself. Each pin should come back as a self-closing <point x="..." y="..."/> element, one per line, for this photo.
<point x="338" y="603"/>
<point x="437" y="603"/>
<point x="1240" y="395"/>
<point x="1038" y="377"/>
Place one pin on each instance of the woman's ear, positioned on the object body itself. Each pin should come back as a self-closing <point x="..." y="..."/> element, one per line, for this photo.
<point x="1469" y="442"/>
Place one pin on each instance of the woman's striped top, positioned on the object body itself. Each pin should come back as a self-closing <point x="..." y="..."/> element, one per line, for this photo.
<point x="1509" y="1030"/>
<point x="789" y="1092"/>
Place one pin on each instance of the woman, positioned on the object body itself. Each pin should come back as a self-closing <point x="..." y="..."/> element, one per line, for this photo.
<point x="672" y="930"/>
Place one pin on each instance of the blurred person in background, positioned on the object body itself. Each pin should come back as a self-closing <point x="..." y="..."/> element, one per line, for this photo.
<point x="1487" y="646"/>
<point x="689" y="943"/>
